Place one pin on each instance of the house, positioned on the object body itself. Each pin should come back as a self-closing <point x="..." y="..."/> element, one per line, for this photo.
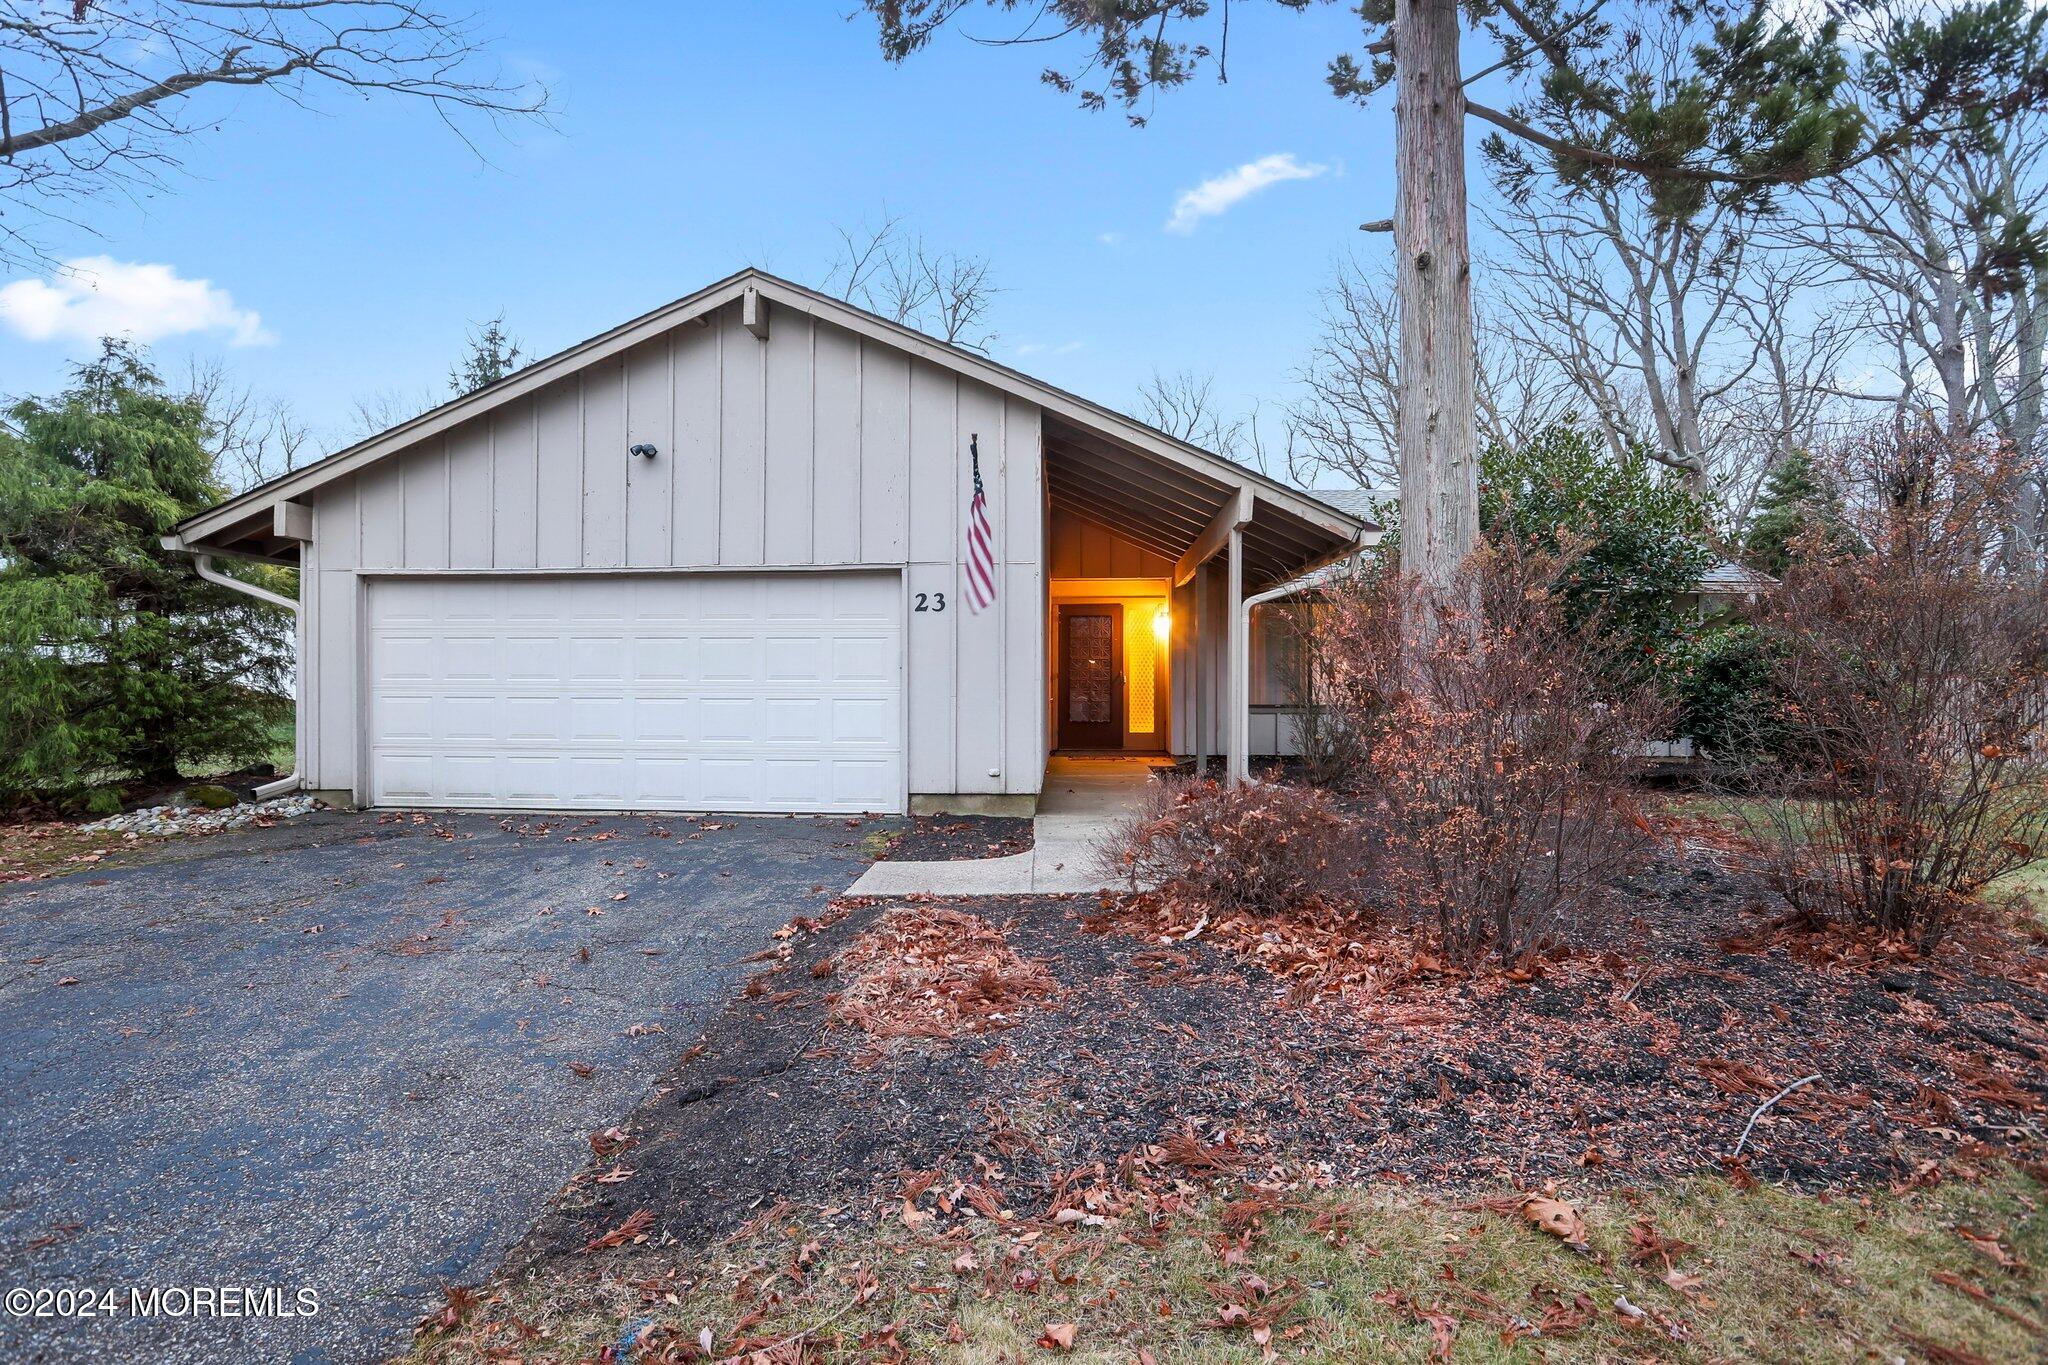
<point x="715" y="559"/>
<point x="1725" y="589"/>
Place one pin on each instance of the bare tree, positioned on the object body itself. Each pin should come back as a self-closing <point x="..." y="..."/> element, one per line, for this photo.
<point x="1743" y="105"/>
<point x="1629" y="303"/>
<point x="253" y="439"/>
<point x="97" y="95"/>
<point x="376" y="413"/>
<point x="1183" y="405"/>
<point x="1345" y="421"/>
<point x="1946" y="244"/>
<point x="889" y="270"/>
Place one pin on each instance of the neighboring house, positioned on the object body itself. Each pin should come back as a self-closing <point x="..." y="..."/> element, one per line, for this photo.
<point x="715" y="559"/>
<point x="1723" y="590"/>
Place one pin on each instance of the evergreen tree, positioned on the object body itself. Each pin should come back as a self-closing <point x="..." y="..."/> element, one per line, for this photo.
<point x="1794" y="500"/>
<point x="493" y="354"/>
<point x="1645" y="534"/>
<point x="116" y="659"/>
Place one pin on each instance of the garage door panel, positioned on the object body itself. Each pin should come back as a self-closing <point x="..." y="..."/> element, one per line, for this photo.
<point x="728" y="658"/>
<point x="863" y="784"/>
<point x="533" y="660"/>
<point x="867" y="722"/>
<point x="794" y="721"/>
<point x="664" y="659"/>
<point x="474" y="718"/>
<point x="530" y="777"/>
<point x="694" y="692"/>
<point x="794" y="658"/>
<point x="671" y="720"/>
<point x="596" y="658"/>
<point x="532" y="719"/>
<point x="863" y="658"/>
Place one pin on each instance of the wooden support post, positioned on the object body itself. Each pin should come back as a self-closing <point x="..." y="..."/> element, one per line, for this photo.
<point x="1198" y="661"/>
<point x="1238" y="724"/>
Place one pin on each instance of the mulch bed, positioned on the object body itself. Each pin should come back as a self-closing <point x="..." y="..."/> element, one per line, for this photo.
<point x="1353" y="1050"/>
<point x="959" y="838"/>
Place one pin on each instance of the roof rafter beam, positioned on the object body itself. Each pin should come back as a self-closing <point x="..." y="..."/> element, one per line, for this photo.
<point x="1178" y="520"/>
<point x="1091" y="512"/>
<point x="1234" y="516"/>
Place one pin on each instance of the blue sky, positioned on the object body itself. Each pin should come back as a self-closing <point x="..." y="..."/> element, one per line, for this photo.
<point x="692" y="139"/>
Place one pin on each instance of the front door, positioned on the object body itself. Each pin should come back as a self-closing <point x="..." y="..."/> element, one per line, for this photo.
<point x="1091" y="696"/>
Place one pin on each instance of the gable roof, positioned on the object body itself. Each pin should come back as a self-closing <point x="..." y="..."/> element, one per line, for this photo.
<point x="1335" y="523"/>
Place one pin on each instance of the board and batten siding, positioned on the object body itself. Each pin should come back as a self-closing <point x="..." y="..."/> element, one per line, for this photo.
<point x="812" y="448"/>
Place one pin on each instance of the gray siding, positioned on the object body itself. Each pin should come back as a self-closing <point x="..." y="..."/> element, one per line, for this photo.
<point x="813" y="448"/>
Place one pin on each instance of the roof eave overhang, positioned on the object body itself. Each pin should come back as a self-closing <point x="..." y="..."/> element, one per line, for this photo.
<point x="781" y="293"/>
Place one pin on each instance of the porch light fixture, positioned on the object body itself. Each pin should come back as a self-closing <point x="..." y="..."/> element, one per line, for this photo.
<point x="645" y="450"/>
<point x="1162" y="624"/>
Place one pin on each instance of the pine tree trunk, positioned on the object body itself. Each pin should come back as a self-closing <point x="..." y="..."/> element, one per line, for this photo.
<point x="1437" y="433"/>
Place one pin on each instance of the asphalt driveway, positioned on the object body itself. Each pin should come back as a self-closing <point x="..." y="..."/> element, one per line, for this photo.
<point x="345" y="1056"/>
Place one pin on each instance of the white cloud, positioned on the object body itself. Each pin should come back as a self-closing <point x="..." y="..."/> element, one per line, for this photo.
<point x="96" y="296"/>
<point x="1110" y="238"/>
<point x="1221" y="192"/>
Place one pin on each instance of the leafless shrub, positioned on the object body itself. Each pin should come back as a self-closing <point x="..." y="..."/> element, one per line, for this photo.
<point x="1261" y="848"/>
<point x="1915" y="678"/>
<point x="1500" y="752"/>
<point x="1328" y="740"/>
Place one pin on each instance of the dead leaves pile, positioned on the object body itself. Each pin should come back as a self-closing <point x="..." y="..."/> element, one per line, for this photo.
<point x="928" y="972"/>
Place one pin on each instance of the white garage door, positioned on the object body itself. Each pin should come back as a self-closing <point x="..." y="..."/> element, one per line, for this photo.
<point x="720" y="692"/>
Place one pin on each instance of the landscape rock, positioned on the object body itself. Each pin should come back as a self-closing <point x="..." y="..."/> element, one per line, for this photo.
<point x="192" y="819"/>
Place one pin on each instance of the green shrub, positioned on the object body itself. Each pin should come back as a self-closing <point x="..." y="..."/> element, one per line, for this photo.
<point x="1729" y="699"/>
<point x="206" y="796"/>
<point x="102" y="801"/>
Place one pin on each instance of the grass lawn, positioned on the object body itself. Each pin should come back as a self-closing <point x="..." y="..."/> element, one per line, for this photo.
<point x="1327" y="1275"/>
<point x="2028" y="886"/>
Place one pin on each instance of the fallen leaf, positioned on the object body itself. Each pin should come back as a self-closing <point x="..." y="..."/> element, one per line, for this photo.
<point x="1557" y="1218"/>
<point x="1058" y="1336"/>
<point x="636" y="1225"/>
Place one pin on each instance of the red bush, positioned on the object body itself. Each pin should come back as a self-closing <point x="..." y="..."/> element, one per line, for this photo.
<point x="1261" y="848"/>
<point x="1915" y="673"/>
<point x="1501" y="747"/>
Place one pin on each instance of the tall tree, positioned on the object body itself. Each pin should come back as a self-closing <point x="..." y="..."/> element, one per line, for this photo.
<point x="1754" y="103"/>
<point x="1948" y="241"/>
<point x="115" y="659"/>
<point x="889" y="270"/>
<point x="97" y="96"/>
<point x="492" y="355"/>
<point x="1346" y="420"/>
<point x="1797" y="501"/>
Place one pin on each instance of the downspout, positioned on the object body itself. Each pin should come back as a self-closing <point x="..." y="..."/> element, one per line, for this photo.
<point x="1241" y="655"/>
<point x="1241" y="667"/>
<point x="204" y="564"/>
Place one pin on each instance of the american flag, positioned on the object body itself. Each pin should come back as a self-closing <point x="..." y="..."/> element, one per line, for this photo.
<point x="981" y="541"/>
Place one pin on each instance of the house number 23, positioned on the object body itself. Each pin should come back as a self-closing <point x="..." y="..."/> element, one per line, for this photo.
<point x="930" y="601"/>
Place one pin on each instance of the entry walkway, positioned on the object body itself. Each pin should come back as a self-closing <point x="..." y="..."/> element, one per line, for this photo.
<point x="1083" y="800"/>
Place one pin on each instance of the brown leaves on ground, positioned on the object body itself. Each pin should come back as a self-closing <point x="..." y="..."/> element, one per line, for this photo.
<point x="1548" y="1214"/>
<point x="925" y="971"/>
<point x="634" y="1229"/>
<point x="445" y="1319"/>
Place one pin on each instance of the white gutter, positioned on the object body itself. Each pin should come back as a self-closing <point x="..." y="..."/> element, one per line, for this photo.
<point x="1238" y="767"/>
<point x="1240" y="676"/>
<point x="204" y="564"/>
